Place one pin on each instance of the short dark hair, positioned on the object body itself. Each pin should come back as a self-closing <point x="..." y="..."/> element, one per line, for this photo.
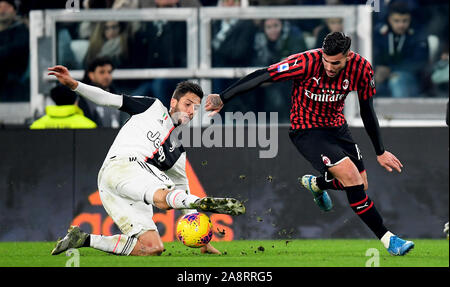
<point x="398" y="7"/>
<point x="335" y="43"/>
<point x="63" y="95"/>
<point x="99" y="62"/>
<point x="185" y="87"/>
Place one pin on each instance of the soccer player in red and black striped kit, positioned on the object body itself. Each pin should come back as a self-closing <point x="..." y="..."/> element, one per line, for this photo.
<point x="322" y="79"/>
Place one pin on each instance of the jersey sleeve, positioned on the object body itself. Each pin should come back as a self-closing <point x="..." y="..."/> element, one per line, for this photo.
<point x="371" y="124"/>
<point x="99" y="96"/>
<point x="136" y="105"/>
<point x="293" y="67"/>
<point x="245" y="84"/>
<point x="366" y="85"/>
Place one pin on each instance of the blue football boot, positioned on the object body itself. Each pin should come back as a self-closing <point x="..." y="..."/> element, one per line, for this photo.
<point x="398" y="246"/>
<point x="321" y="197"/>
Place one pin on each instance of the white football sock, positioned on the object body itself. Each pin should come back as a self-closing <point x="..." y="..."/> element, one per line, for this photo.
<point x="120" y="244"/>
<point x="180" y="199"/>
<point x="386" y="239"/>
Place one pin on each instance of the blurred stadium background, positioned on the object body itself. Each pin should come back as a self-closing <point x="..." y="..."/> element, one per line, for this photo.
<point x="48" y="177"/>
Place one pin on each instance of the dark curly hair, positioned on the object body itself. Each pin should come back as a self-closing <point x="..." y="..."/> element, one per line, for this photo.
<point x="335" y="43"/>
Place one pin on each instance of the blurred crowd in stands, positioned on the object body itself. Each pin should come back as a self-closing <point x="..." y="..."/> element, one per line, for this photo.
<point x="410" y="49"/>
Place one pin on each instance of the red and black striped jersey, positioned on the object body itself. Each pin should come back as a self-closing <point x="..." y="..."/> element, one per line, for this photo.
<point x="318" y="100"/>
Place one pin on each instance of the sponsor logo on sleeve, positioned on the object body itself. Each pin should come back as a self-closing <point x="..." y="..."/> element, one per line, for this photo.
<point x="283" y="67"/>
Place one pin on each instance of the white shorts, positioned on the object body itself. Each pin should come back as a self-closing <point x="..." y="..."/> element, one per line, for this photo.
<point x="122" y="184"/>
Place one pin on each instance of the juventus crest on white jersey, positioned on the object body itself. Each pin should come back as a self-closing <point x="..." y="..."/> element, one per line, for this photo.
<point x="146" y="136"/>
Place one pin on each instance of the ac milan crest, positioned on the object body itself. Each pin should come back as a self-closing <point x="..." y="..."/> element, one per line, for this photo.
<point x="326" y="160"/>
<point x="345" y="84"/>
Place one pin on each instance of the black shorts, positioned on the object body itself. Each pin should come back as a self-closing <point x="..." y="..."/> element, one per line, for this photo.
<point x="327" y="147"/>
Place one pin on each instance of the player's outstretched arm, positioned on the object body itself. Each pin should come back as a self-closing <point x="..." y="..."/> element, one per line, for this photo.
<point x="369" y="118"/>
<point x="63" y="76"/>
<point x="94" y="94"/>
<point x="215" y="102"/>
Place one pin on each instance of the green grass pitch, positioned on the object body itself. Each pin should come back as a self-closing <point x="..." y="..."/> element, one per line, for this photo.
<point x="239" y="253"/>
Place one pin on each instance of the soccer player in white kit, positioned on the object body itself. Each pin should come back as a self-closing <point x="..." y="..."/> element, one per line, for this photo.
<point x="143" y="168"/>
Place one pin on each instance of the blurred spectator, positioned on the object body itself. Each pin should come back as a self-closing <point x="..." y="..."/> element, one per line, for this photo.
<point x="14" y="55"/>
<point x="436" y="19"/>
<point x="330" y="25"/>
<point x="440" y="74"/>
<point x="65" y="114"/>
<point x="379" y="18"/>
<point x="161" y="44"/>
<point x="66" y="55"/>
<point x="230" y="40"/>
<point x="111" y="39"/>
<point x="314" y="25"/>
<point x="99" y="74"/>
<point x="400" y="54"/>
<point x="278" y="40"/>
<point x="232" y="46"/>
<point x="87" y="28"/>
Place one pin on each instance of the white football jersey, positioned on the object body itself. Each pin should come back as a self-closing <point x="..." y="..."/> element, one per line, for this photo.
<point x="146" y="136"/>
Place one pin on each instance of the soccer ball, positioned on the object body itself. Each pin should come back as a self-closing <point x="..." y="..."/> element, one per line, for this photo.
<point x="194" y="230"/>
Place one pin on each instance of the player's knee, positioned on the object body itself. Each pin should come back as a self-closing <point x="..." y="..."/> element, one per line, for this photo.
<point x="149" y="243"/>
<point x="152" y="250"/>
<point x="350" y="178"/>
<point x="157" y="250"/>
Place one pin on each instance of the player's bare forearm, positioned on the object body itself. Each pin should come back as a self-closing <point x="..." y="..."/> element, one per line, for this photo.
<point x="63" y="76"/>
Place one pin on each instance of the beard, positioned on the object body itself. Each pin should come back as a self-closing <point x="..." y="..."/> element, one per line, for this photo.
<point x="179" y="117"/>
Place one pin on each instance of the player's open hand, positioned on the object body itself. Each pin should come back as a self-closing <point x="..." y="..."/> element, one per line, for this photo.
<point x="63" y="76"/>
<point x="389" y="162"/>
<point x="208" y="248"/>
<point x="213" y="104"/>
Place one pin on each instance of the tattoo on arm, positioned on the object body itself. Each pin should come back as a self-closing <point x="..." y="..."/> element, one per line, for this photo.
<point x="216" y="101"/>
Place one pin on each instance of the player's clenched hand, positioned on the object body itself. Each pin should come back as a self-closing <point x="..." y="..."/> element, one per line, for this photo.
<point x="208" y="248"/>
<point x="389" y="162"/>
<point x="63" y="76"/>
<point x="213" y="104"/>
